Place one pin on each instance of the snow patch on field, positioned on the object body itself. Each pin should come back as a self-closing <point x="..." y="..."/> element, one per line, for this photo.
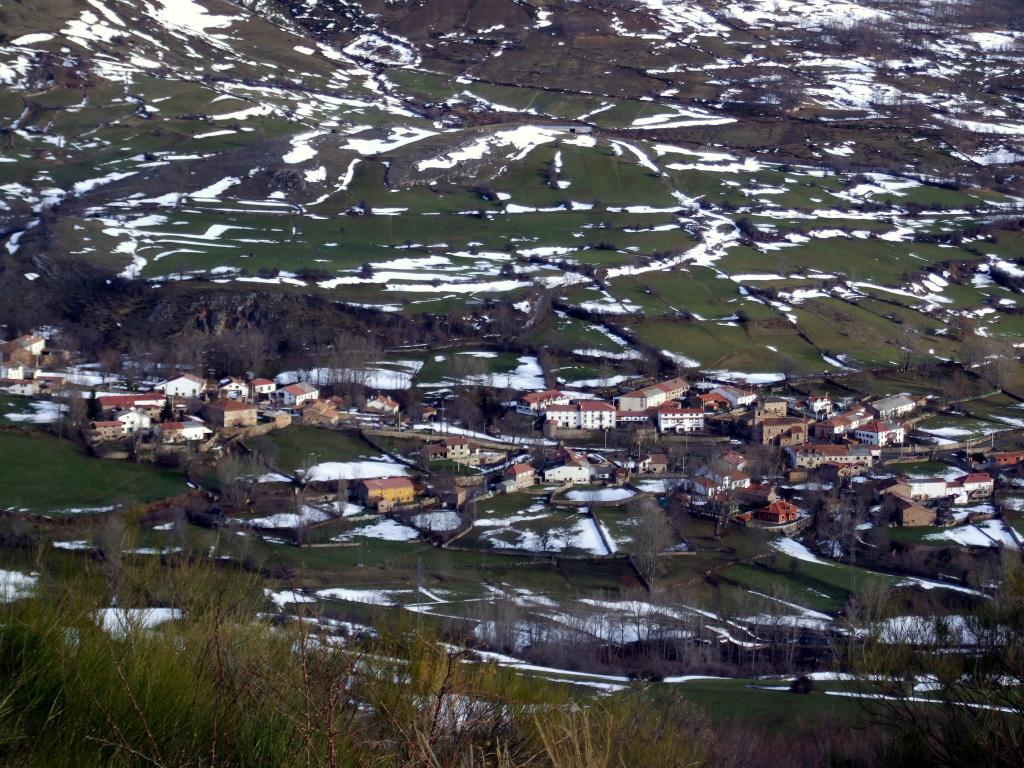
<point x="15" y="585"/>
<point x="330" y="471"/>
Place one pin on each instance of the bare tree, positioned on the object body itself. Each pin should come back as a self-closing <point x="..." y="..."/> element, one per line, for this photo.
<point x="653" y="535"/>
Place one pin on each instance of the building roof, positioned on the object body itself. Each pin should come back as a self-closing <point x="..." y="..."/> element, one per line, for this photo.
<point x="97" y="424"/>
<point x="674" y="410"/>
<point x="225" y="404"/>
<point x="300" y="388"/>
<point x="261" y="382"/>
<point x="781" y="508"/>
<point x="126" y="401"/>
<point x="386" y="483"/>
<point x="177" y="426"/>
<point x="975" y="477"/>
<point x="187" y="376"/>
<point x="519" y="469"/>
<point x="892" y="402"/>
<point x="538" y="397"/>
<point x="877" y="426"/>
<point x="595" y="405"/>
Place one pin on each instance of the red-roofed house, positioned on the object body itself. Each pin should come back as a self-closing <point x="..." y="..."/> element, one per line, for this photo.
<point x="583" y="414"/>
<point x="538" y="402"/>
<point x="262" y="387"/>
<point x="385" y="492"/>
<point x="519" y="476"/>
<point x="778" y="513"/>
<point x="181" y="431"/>
<point x="294" y="395"/>
<point x="880" y="433"/>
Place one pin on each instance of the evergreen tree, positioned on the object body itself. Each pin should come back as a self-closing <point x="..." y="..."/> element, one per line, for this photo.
<point x="93" y="406"/>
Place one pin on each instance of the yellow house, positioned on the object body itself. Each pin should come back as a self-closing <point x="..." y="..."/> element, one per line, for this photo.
<point x="386" y="491"/>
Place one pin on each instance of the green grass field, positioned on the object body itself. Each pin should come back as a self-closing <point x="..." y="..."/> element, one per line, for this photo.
<point x="47" y="475"/>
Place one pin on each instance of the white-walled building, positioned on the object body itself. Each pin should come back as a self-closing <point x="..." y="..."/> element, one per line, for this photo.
<point x="880" y="433"/>
<point x="182" y="431"/>
<point x="583" y="414"/>
<point x="673" y="419"/>
<point x="538" y="402"/>
<point x="262" y="387"/>
<point x="893" y="407"/>
<point x="133" y="421"/>
<point x="738" y="398"/>
<point x="234" y="389"/>
<point x="296" y="394"/>
<point x="652" y="396"/>
<point x="185" y="385"/>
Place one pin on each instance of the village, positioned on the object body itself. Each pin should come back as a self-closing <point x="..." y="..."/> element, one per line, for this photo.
<point x="738" y="456"/>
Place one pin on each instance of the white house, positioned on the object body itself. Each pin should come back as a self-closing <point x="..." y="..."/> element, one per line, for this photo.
<point x="972" y="487"/>
<point x="652" y="396"/>
<point x="893" y="407"/>
<point x="738" y="398"/>
<point x="262" y="387"/>
<point x="12" y="370"/>
<point x="133" y="421"/>
<point x="672" y="419"/>
<point x="819" y="406"/>
<point x="576" y="472"/>
<point x="538" y="402"/>
<point x="185" y="385"/>
<point x="583" y="414"/>
<point x="880" y="433"/>
<point x="182" y="431"/>
<point x="234" y="389"/>
<point x="298" y="393"/>
<point x="381" y="404"/>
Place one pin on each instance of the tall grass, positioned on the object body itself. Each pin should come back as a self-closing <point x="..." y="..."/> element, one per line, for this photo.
<point x="229" y="685"/>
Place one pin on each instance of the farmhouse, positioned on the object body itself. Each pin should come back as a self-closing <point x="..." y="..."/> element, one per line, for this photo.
<point x="574" y="469"/>
<point x="133" y="420"/>
<point x="782" y="430"/>
<point x="107" y="430"/>
<point x="184" y="385"/>
<point x="837" y="427"/>
<point x="181" y="431"/>
<point x="893" y="407"/>
<point x="973" y="487"/>
<point x="880" y="433"/>
<point x="381" y="404"/>
<point x="1004" y="459"/>
<point x="24" y="349"/>
<point x="12" y="370"/>
<point x="736" y="397"/>
<point x="384" y="493"/>
<point x="538" y="402"/>
<point x="712" y="401"/>
<point x="229" y="414"/>
<point x="652" y="396"/>
<point x="812" y="456"/>
<point x="926" y="489"/>
<point x="519" y="476"/>
<point x="674" y="419"/>
<point x="582" y="414"/>
<point x="150" y="402"/>
<point x="911" y="514"/>
<point x="320" y="412"/>
<point x="294" y="395"/>
<point x="236" y="389"/>
<point x="819" y="406"/>
<point x="262" y="387"/>
<point x="778" y="513"/>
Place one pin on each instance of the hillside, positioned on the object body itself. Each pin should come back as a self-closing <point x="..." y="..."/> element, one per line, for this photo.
<point x="741" y="186"/>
